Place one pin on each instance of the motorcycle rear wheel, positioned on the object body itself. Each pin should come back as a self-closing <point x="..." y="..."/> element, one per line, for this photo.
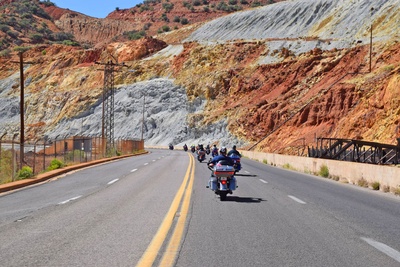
<point x="222" y="195"/>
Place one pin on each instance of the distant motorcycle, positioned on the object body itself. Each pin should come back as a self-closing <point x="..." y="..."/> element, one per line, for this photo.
<point x="222" y="182"/>
<point x="201" y="155"/>
<point x="208" y="151"/>
<point x="193" y="149"/>
<point x="185" y="147"/>
<point x="171" y="147"/>
<point x="236" y="162"/>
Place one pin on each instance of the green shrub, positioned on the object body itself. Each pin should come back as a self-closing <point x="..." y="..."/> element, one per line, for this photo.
<point x="135" y="35"/>
<point x="265" y="161"/>
<point x="48" y="3"/>
<point x="168" y="7"/>
<point x="288" y="167"/>
<point x="376" y="185"/>
<point x="324" y="171"/>
<point x="165" y="28"/>
<point x="55" y="164"/>
<point x="184" y="21"/>
<point x="5" y="53"/>
<point x="396" y="191"/>
<point x="70" y="43"/>
<point x="4" y="28"/>
<point x="25" y="172"/>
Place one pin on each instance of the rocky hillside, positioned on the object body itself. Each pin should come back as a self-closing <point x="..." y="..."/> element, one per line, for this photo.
<point x="276" y="76"/>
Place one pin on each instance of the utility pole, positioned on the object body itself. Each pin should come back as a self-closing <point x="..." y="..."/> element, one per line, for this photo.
<point x="370" y="45"/>
<point x="21" y="105"/>
<point x="144" y="101"/>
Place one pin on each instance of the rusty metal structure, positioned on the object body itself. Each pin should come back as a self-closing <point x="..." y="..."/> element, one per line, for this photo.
<point x="356" y="151"/>
<point x="108" y="105"/>
<point x="107" y="129"/>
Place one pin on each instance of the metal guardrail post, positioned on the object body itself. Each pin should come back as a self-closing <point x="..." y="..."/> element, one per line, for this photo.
<point x="4" y="134"/>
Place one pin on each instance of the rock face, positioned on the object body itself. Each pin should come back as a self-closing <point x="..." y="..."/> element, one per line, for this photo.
<point x="276" y="77"/>
<point x="96" y="32"/>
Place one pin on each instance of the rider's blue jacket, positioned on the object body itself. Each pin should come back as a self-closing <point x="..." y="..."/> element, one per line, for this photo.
<point x="222" y="157"/>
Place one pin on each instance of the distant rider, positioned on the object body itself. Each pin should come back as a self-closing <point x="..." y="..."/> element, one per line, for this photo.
<point x="234" y="151"/>
<point x="214" y="151"/>
<point x="222" y="156"/>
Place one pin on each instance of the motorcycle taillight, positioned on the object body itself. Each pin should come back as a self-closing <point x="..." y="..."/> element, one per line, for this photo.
<point x="223" y="182"/>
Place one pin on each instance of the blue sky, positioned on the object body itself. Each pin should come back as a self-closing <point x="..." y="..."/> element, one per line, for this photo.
<point x="96" y="8"/>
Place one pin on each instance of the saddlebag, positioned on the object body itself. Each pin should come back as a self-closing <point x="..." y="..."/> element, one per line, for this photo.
<point x="213" y="184"/>
<point x="223" y="170"/>
<point x="232" y="184"/>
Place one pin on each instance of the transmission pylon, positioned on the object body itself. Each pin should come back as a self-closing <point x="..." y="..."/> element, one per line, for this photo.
<point x="107" y="129"/>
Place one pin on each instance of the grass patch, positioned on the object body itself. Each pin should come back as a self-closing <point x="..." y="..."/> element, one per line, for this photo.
<point x="375" y="185"/>
<point x="265" y="161"/>
<point x="288" y="167"/>
<point x="324" y="171"/>
<point x="396" y="191"/>
<point x="362" y="182"/>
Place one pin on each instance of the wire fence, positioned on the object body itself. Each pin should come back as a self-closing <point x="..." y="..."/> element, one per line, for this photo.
<point x="38" y="155"/>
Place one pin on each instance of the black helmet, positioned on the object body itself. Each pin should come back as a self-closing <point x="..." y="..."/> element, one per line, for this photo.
<point x="223" y="150"/>
<point x="234" y="147"/>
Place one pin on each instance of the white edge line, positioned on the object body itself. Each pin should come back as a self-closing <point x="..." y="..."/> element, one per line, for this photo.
<point x="263" y="181"/>
<point x="133" y="170"/>
<point x="113" y="181"/>
<point x="297" y="200"/>
<point x="146" y="163"/>
<point x="68" y="200"/>
<point x="394" y="254"/>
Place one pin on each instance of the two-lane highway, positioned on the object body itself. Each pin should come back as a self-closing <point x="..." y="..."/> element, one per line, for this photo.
<point x="101" y="216"/>
<point x="278" y="217"/>
<point x="155" y="210"/>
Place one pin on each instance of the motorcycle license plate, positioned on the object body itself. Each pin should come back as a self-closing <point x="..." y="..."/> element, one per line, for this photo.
<point x="224" y="178"/>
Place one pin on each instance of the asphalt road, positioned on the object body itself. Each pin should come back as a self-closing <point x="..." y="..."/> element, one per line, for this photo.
<point x="155" y="210"/>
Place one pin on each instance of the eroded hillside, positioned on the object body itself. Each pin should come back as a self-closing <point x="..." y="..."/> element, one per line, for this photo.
<point x="280" y="90"/>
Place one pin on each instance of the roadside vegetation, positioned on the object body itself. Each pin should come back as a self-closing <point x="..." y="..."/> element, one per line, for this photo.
<point x="22" y="24"/>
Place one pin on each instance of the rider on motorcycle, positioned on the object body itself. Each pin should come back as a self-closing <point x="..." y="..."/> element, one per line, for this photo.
<point x="214" y="151"/>
<point x="234" y="151"/>
<point x="221" y="157"/>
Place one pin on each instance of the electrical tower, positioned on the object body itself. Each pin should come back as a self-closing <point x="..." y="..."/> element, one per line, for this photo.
<point x="107" y="129"/>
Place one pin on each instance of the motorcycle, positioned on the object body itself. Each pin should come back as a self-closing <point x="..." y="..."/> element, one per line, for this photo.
<point x="208" y="151"/>
<point x="171" y="147"/>
<point x="185" y="148"/>
<point x="201" y="155"/>
<point x="236" y="162"/>
<point x="222" y="181"/>
<point x="193" y="149"/>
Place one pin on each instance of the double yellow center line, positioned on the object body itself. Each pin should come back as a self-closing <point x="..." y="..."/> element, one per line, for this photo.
<point x="185" y="193"/>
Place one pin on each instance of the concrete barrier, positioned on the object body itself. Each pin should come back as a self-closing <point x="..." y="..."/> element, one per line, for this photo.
<point x="351" y="172"/>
